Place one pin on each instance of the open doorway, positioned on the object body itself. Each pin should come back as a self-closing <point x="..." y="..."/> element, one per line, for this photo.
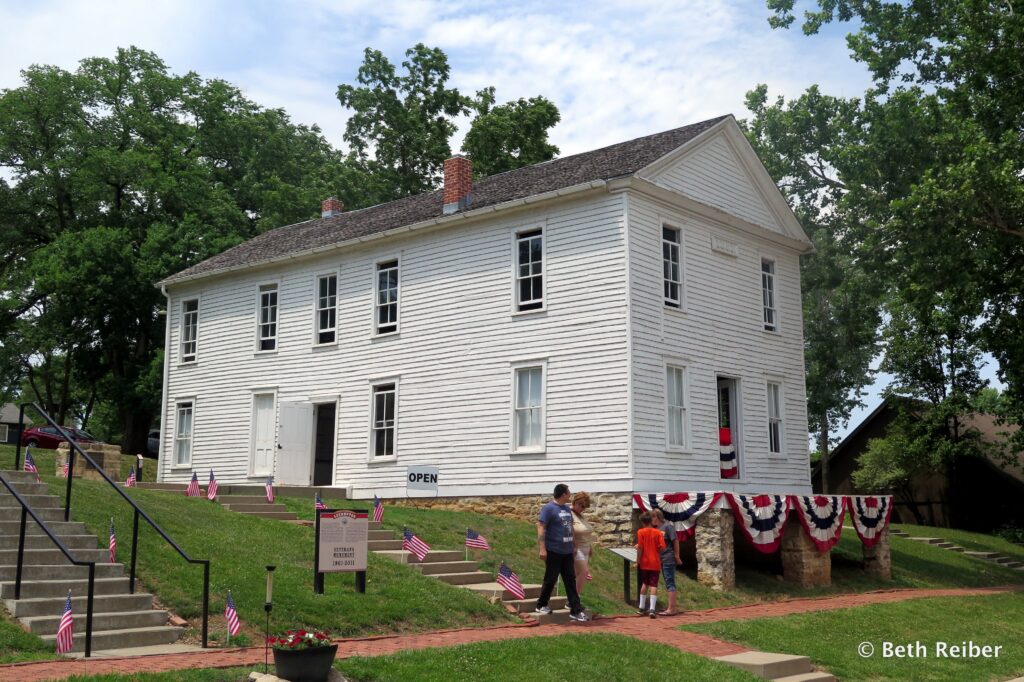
<point x="324" y="419"/>
<point x="728" y="427"/>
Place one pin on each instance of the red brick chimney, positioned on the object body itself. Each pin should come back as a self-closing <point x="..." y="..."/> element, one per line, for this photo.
<point x="331" y="206"/>
<point x="458" y="184"/>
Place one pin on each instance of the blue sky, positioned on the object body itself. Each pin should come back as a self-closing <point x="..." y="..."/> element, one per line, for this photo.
<point x="616" y="70"/>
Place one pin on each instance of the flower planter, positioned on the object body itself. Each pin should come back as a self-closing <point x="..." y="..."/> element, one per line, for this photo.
<point x="305" y="665"/>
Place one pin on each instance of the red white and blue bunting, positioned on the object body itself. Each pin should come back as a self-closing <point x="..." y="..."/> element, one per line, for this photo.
<point x="727" y="453"/>
<point x="870" y="515"/>
<point x="682" y="509"/>
<point x="822" y="518"/>
<point x="762" y="518"/>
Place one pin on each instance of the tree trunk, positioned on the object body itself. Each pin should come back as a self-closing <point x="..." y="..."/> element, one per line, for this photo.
<point x="823" y="449"/>
<point x="135" y="430"/>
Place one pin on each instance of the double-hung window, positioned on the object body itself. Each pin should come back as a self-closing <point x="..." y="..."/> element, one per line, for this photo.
<point x="386" y="307"/>
<point x="266" y="327"/>
<point x="384" y="420"/>
<point x="530" y="270"/>
<point x="673" y="275"/>
<point x="774" y="417"/>
<point x="528" y="417"/>
<point x="771" y="315"/>
<point x="183" y="434"/>
<point x="189" y="329"/>
<point x="326" y="308"/>
<point x="675" y="401"/>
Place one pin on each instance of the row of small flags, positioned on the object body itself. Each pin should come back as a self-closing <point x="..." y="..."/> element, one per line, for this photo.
<point x="30" y="465"/>
<point x="193" y="489"/>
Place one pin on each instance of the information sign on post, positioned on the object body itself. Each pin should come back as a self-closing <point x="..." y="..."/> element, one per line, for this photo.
<point x="341" y="541"/>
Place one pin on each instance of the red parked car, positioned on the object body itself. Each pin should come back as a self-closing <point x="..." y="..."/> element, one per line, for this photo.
<point x="47" y="437"/>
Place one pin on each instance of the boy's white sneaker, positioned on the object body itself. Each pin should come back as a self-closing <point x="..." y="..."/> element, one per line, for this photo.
<point x="542" y="610"/>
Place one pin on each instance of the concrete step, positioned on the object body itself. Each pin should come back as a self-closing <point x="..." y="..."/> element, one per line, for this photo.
<point x="256" y="507"/>
<point x="382" y="535"/>
<point x="954" y="548"/>
<point x="528" y="605"/>
<point x="1014" y="564"/>
<point x="813" y="676"/>
<point x="60" y="528"/>
<point x="983" y="555"/>
<point x="277" y="515"/>
<point x="927" y="541"/>
<point x="243" y="499"/>
<point x="944" y="545"/>
<point x="46" y="557"/>
<point x="119" y="620"/>
<point x="33" y="589"/>
<point x="19" y="476"/>
<point x="41" y="501"/>
<point x="383" y="545"/>
<point x="768" y="666"/>
<point x="44" y="542"/>
<point x="1003" y="559"/>
<point x="102" y="603"/>
<point x="45" y="513"/>
<point x="403" y="557"/>
<point x="492" y="590"/>
<point x="556" y="616"/>
<point x="435" y="567"/>
<point x="29" y="487"/>
<point x="122" y="639"/>
<point x="55" y="572"/>
<point x="464" y="578"/>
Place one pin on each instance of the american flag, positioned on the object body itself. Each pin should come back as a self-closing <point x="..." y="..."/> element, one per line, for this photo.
<point x="112" y="545"/>
<point x="270" y="489"/>
<point x="193" y="487"/>
<point x="319" y="504"/>
<point x="411" y="543"/>
<point x="211" y="489"/>
<point x="378" y="510"/>
<point x="66" y="629"/>
<point x="64" y="468"/>
<point x="130" y="481"/>
<point x="510" y="581"/>
<point x="475" y="540"/>
<point x="231" y="616"/>
<point x="30" y="464"/>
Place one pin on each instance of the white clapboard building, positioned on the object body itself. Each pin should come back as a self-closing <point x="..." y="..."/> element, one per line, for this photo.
<point x="596" y="319"/>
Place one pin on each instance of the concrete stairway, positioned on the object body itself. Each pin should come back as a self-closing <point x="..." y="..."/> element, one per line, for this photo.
<point x="778" y="667"/>
<point x="996" y="557"/>
<point x="120" y="620"/>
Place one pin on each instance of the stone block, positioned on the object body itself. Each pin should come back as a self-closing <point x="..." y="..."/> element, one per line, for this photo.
<point x="106" y="456"/>
<point x="878" y="559"/>
<point x="802" y="563"/>
<point x="716" y="560"/>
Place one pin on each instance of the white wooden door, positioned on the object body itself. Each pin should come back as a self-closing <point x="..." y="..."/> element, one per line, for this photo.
<point x="263" y="441"/>
<point x="295" y="434"/>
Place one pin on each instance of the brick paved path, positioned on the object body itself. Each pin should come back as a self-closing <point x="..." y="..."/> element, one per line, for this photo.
<point x="661" y="630"/>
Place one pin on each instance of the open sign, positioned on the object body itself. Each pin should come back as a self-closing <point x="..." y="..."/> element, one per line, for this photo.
<point x="421" y="478"/>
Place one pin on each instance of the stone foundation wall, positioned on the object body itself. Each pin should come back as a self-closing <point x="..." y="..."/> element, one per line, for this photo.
<point x="716" y="558"/>
<point x="611" y="514"/>
<point x="878" y="559"/>
<point x="802" y="563"/>
<point x="107" y="456"/>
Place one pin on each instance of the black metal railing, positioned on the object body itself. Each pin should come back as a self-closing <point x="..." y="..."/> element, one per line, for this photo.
<point x="73" y="448"/>
<point x="27" y="511"/>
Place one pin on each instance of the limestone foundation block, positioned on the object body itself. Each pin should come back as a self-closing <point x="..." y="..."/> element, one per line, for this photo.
<point x="878" y="559"/>
<point x="716" y="560"/>
<point x="802" y="563"/>
<point x="107" y="456"/>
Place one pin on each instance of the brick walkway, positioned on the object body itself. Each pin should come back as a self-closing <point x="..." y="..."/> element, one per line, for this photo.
<point x="661" y="630"/>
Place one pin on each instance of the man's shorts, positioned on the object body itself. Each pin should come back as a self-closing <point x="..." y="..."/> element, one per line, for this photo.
<point x="669" y="571"/>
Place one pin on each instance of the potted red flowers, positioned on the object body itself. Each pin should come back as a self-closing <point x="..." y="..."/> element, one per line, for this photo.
<point x="301" y="656"/>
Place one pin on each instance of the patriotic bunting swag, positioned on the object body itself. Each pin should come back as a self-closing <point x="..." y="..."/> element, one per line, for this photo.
<point x="682" y="509"/>
<point x="726" y="453"/>
<point x="761" y="518"/>
<point x="822" y="518"/>
<point x="870" y="516"/>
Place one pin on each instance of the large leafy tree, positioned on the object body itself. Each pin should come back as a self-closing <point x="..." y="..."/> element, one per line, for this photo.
<point x="511" y="135"/>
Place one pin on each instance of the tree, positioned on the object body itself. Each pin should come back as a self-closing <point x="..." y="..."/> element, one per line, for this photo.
<point x="510" y="135"/>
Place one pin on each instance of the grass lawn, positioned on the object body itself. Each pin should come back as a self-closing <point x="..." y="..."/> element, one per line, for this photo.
<point x="966" y="539"/>
<point x="202" y="675"/>
<point x="831" y="639"/>
<point x="16" y="645"/>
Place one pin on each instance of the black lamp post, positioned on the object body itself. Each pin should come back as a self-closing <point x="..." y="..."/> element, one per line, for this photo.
<point x="268" y="606"/>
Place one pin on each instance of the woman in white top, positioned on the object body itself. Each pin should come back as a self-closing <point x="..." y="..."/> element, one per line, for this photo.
<point x="583" y="535"/>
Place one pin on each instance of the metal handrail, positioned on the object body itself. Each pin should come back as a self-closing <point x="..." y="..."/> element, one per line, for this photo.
<point x="26" y="511"/>
<point x="138" y="511"/>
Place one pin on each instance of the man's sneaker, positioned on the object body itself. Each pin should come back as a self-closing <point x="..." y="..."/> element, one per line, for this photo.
<point x="641" y="612"/>
<point x="542" y="610"/>
<point x="580" y="617"/>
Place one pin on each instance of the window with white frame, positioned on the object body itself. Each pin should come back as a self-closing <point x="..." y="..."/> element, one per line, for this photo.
<point x="326" y="308"/>
<point x="387" y="297"/>
<point x="675" y="399"/>
<point x="189" y="329"/>
<point x="384" y="420"/>
<point x="673" y="275"/>
<point x="774" y="417"/>
<point x="530" y="270"/>
<point x="4" y="433"/>
<point x="528" y="415"/>
<point x="771" y="316"/>
<point x="183" y="433"/>
<point x="266" y="326"/>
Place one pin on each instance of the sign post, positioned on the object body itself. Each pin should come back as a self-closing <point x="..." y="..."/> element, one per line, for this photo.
<point x="340" y="545"/>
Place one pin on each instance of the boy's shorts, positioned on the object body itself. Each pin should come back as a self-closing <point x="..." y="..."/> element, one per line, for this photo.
<point x="649" y="578"/>
<point x="669" y="571"/>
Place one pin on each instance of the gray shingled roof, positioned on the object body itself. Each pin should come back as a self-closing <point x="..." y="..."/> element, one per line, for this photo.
<point x="618" y="160"/>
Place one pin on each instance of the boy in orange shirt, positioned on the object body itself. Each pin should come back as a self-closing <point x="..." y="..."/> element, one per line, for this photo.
<point x="649" y="543"/>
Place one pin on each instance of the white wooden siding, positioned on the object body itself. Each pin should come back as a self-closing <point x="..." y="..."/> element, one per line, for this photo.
<point x="452" y="356"/>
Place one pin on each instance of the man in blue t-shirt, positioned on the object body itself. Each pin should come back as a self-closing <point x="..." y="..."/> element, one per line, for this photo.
<point x="554" y="535"/>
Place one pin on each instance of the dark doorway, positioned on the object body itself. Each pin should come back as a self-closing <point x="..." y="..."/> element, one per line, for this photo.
<point x="323" y="444"/>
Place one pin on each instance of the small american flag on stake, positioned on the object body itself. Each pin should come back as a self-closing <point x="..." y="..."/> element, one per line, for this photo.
<point x="270" y="489"/>
<point x="193" y="487"/>
<point x="112" y="545"/>
<point x="64" y="468"/>
<point x="378" y="510"/>
<point x="30" y="464"/>
<point x="231" y="616"/>
<point x="66" y="629"/>
<point x="411" y="543"/>
<point x="318" y="503"/>
<point x="130" y="481"/>
<point x="510" y="581"/>
<point x="211" y="489"/>
<point x="475" y="540"/>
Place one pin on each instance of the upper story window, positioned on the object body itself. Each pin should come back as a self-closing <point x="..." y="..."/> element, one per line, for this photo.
<point x="673" y="275"/>
<point x="385" y="420"/>
<point x="530" y="270"/>
<point x="266" y="325"/>
<point x="183" y="434"/>
<point x="771" y="315"/>
<point x="528" y="410"/>
<point x="326" y="308"/>
<point x="675" y="399"/>
<point x="387" y="298"/>
<point x="774" y="417"/>
<point x="189" y="329"/>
